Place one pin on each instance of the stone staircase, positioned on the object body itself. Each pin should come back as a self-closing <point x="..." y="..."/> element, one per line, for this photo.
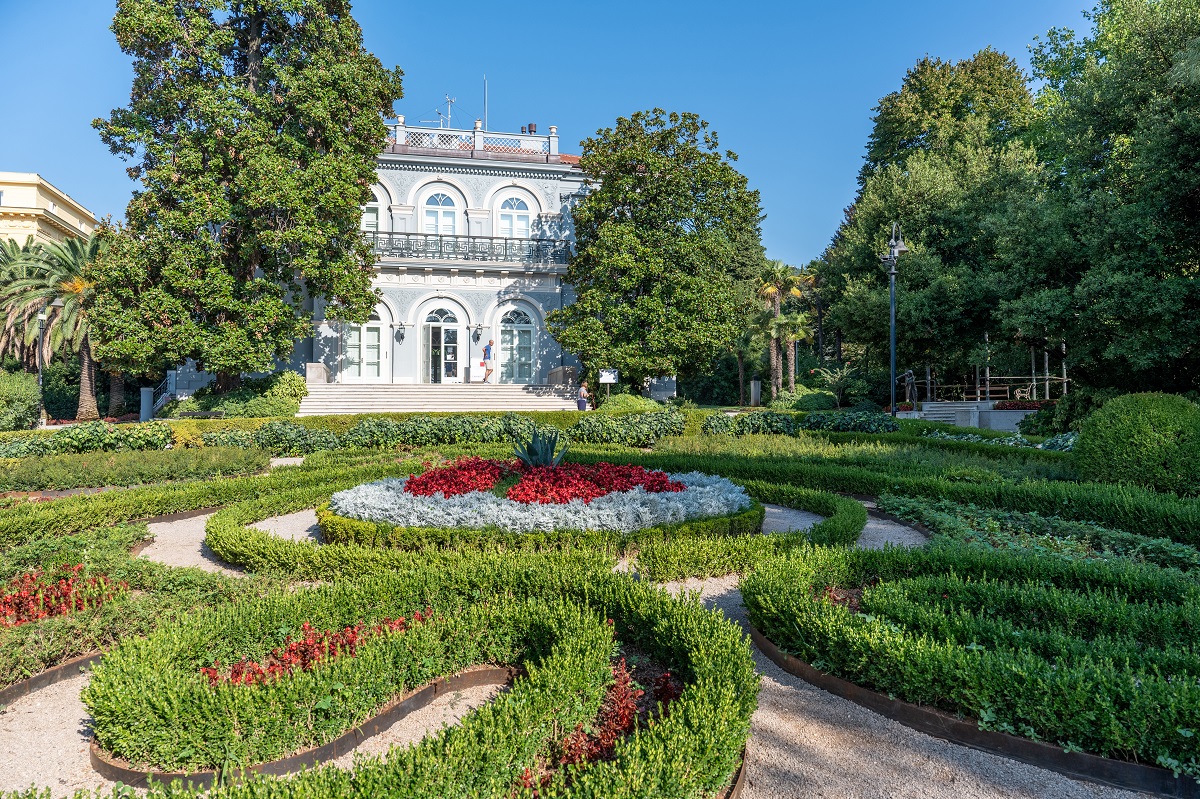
<point x="948" y="411"/>
<point x="344" y="398"/>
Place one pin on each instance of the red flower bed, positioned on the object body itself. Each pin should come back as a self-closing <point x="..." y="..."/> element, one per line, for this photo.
<point x="305" y="653"/>
<point x="570" y="481"/>
<point x="461" y="477"/>
<point x="541" y="484"/>
<point x="1021" y="405"/>
<point x="36" y="595"/>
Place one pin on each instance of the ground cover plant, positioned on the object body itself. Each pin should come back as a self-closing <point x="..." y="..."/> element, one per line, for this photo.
<point x="1033" y="532"/>
<point x="99" y="469"/>
<point x="33" y="596"/>
<point x="1086" y="655"/>
<point x="562" y="620"/>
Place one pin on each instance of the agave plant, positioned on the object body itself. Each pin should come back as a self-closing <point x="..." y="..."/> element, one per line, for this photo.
<point x="539" y="450"/>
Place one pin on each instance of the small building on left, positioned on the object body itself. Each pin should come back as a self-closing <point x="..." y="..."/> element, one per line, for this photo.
<point x="30" y="205"/>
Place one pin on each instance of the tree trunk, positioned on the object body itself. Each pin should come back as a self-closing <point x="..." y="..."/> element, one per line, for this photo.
<point x="741" y="359"/>
<point x="226" y="381"/>
<point x="820" y="334"/>
<point x="116" y="393"/>
<point x="86" y="411"/>
<point x="774" y="345"/>
<point x="791" y="365"/>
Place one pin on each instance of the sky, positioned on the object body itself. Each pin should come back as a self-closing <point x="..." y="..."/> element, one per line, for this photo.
<point x="788" y="86"/>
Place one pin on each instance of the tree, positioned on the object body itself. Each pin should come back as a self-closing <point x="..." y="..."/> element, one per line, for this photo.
<point x="58" y="271"/>
<point x="794" y="327"/>
<point x="254" y="126"/>
<point x="665" y="233"/>
<point x="18" y="261"/>
<point x="778" y="281"/>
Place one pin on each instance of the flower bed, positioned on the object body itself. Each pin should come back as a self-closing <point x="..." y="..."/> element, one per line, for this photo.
<point x="599" y="496"/>
<point x="1088" y="656"/>
<point x="34" y="596"/>
<point x="562" y="621"/>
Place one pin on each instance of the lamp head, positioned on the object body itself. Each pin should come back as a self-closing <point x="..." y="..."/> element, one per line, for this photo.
<point x="897" y="244"/>
<point x="58" y="303"/>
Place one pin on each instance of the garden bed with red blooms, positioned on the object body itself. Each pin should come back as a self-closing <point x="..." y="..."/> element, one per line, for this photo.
<point x="34" y="596"/>
<point x="1022" y="405"/>
<point x="311" y="649"/>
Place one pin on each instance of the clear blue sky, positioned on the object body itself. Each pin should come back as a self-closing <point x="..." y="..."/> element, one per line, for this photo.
<point x="789" y="86"/>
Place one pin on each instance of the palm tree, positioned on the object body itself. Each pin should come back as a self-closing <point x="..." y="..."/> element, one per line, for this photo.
<point x="793" y="328"/>
<point x="778" y="281"/>
<point x="18" y="261"/>
<point x="56" y="272"/>
<point x="747" y="346"/>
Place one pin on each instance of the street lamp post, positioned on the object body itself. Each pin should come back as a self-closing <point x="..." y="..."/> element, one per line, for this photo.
<point x="896" y="248"/>
<point x="42" y="317"/>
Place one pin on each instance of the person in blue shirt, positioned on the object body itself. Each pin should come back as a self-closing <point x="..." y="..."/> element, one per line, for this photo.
<point x="487" y="360"/>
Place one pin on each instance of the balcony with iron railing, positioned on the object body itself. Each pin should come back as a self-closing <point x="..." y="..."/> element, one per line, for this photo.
<point x="430" y="247"/>
<point x="476" y="143"/>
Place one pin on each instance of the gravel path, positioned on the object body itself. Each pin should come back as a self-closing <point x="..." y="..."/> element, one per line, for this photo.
<point x="779" y="519"/>
<point x="805" y="743"/>
<point x="181" y="543"/>
<point x="880" y="532"/>
<point x="44" y="740"/>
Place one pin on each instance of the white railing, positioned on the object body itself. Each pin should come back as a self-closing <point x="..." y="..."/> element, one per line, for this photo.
<point x="477" y="142"/>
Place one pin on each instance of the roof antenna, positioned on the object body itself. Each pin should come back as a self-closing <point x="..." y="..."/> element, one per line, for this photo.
<point x="443" y="120"/>
<point x="485" y="121"/>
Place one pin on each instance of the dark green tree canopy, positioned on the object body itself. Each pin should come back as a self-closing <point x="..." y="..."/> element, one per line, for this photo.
<point x="664" y="235"/>
<point x="254" y="128"/>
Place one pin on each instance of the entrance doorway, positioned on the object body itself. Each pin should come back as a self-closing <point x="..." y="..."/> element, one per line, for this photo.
<point x="365" y="353"/>
<point x="443" y="336"/>
<point x="517" y="334"/>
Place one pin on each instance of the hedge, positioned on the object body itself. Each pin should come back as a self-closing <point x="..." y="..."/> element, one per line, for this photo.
<point x="149" y="700"/>
<point x="344" y="530"/>
<point x="1127" y="508"/>
<point x="1085" y="655"/>
<point x="126" y="468"/>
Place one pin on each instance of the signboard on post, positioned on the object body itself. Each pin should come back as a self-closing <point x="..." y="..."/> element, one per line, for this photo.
<point x="608" y="375"/>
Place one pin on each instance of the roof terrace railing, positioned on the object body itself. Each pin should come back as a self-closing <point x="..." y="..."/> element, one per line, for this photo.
<point x="476" y="143"/>
<point x="426" y="246"/>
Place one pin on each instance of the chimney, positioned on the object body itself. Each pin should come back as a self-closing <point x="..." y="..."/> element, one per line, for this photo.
<point x="532" y="128"/>
<point x="522" y="129"/>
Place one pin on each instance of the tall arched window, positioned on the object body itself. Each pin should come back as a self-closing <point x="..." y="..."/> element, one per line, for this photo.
<point x="440" y="215"/>
<point x="370" y="217"/>
<point x="514" y="219"/>
<point x="517" y="340"/>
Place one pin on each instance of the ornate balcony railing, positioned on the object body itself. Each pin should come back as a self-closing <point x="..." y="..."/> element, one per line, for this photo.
<point x="426" y="246"/>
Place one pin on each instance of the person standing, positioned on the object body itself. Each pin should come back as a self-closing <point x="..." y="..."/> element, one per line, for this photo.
<point x="488" y="365"/>
<point x="582" y="401"/>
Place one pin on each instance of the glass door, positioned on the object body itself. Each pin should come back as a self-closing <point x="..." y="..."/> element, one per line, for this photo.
<point x="441" y="354"/>
<point x="516" y="347"/>
<point x="364" y="353"/>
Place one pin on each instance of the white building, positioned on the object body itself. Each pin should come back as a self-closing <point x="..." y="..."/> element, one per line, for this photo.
<point x="472" y="230"/>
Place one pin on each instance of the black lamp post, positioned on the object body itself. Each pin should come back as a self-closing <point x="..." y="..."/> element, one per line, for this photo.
<point x="896" y="248"/>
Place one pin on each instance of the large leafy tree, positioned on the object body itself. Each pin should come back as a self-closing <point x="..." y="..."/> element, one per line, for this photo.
<point x="253" y="127"/>
<point x="665" y="235"/>
<point x="53" y="273"/>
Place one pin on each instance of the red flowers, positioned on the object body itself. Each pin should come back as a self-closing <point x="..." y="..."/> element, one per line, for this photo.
<point x="305" y="653"/>
<point x="542" y="484"/>
<point x="570" y="481"/>
<point x="461" y="477"/>
<point x="37" y="595"/>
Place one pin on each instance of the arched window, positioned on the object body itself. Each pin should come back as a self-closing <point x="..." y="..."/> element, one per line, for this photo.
<point x="440" y="215"/>
<point x="514" y="219"/>
<point x="516" y="317"/>
<point x="441" y="316"/>
<point x="517" y="341"/>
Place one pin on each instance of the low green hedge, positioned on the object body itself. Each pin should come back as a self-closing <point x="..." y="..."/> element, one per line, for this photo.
<point x="126" y="468"/>
<point x="791" y="423"/>
<point x="1128" y="508"/>
<point x="88" y="437"/>
<point x="150" y="702"/>
<point x="344" y="530"/>
<point x="1086" y="655"/>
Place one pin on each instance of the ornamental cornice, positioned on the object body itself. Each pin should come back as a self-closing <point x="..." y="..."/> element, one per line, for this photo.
<point x="475" y="169"/>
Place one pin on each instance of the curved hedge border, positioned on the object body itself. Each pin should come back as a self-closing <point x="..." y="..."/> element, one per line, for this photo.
<point x="1077" y="765"/>
<point x="345" y="530"/>
<point x="120" y="771"/>
<point x="692" y="751"/>
<point x="1087" y="655"/>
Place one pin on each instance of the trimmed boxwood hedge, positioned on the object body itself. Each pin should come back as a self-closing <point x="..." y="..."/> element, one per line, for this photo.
<point x="149" y="700"/>
<point x="97" y="469"/>
<point x="344" y="530"/>
<point x="1088" y="655"/>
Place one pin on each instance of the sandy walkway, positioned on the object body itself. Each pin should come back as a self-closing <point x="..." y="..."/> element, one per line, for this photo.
<point x="180" y="542"/>
<point x="299" y="526"/>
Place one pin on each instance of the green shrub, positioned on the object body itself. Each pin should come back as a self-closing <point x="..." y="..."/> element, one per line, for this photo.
<point x="18" y="401"/>
<point x="717" y="424"/>
<point x="1150" y="440"/>
<point x="276" y="395"/>
<point x="1084" y="655"/>
<point x="90" y="437"/>
<point x="629" y="403"/>
<point x="849" y="422"/>
<point x="125" y="468"/>
<point x="804" y="399"/>
<point x="288" y="438"/>
<point x="630" y="429"/>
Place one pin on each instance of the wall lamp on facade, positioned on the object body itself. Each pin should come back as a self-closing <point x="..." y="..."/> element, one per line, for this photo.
<point x="399" y="332"/>
<point x="477" y="333"/>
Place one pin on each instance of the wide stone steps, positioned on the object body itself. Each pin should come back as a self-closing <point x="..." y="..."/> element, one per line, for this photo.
<point x="329" y="399"/>
<point x="948" y="411"/>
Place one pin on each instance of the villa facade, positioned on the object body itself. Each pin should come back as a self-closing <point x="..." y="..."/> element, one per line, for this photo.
<point x="30" y="205"/>
<point x="472" y="231"/>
